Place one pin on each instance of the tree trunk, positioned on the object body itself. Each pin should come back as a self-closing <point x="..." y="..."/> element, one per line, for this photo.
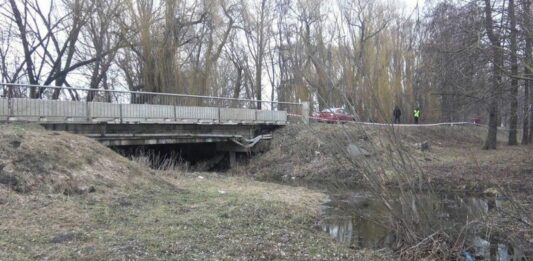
<point x="527" y="135"/>
<point x="258" y="72"/>
<point x="237" y="87"/>
<point x="530" y="117"/>
<point x="525" y="126"/>
<point x="25" y="46"/>
<point x="491" y="140"/>
<point x="513" y="117"/>
<point x="260" y="54"/>
<point x="527" y="83"/>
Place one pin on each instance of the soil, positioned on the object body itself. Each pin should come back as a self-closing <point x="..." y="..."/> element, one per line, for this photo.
<point x="33" y="160"/>
<point x="65" y="197"/>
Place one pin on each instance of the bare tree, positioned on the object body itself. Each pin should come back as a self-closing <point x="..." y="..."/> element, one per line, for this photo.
<point x="50" y="40"/>
<point x="21" y="24"/>
<point x="497" y="64"/>
<point x="513" y="120"/>
<point x="11" y="70"/>
<point x="102" y="35"/>
<point x="257" y="22"/>
<point x="527" y="128"/>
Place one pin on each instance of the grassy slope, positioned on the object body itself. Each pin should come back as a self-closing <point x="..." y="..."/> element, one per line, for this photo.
<point x="35" y="160"/>
<point x="47" y="212"/>
<point x="315" y="154"/>
<point x="455" y="162"/>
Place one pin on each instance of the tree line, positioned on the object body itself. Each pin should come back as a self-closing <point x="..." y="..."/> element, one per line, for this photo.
<point x="479" y="55"/>
<point x="456" y="60"/>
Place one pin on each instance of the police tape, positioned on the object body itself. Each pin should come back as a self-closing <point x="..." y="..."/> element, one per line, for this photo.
<point x="397" y="125"/>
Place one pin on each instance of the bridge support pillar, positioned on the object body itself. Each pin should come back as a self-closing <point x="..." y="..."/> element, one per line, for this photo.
<point x="232" y="158"/>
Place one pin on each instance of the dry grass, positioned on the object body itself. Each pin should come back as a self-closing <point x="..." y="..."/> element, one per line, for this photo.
<point x="50" y="212"/>
<point x="134" y="213"/>
<point x="157" y="161"/>
<point x="35" y="160"/>
<point x="187" y="217"/>
<point x="473" y="170"/>
<point x="397" y="172"/>
<point x="315" y="154"/>
<point x="318" y="154"/>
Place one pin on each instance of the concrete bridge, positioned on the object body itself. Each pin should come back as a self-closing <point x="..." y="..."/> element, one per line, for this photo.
<point x="123" y="118"/>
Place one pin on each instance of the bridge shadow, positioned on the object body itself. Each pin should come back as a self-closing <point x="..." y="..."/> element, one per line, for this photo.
<point x="178" y="157"/>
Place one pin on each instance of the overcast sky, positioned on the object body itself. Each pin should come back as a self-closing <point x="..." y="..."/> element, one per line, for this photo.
<point x="412" y="3"/>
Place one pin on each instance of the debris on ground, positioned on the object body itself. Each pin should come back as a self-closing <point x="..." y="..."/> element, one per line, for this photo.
<point x="355" y="151"/>
<point x="425" y="146"/>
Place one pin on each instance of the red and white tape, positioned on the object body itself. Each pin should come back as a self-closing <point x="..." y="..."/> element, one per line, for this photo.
<point x="391" y="124"/>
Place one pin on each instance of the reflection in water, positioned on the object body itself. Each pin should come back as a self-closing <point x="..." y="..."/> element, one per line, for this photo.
<point x="360" y="221"/>
<point x="357" y="221"/>
<point x="341" y="229"/>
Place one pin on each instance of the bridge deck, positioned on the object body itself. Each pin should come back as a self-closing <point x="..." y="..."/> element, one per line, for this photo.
<point x="124" y="118"/>
<point x="37" y="110"/>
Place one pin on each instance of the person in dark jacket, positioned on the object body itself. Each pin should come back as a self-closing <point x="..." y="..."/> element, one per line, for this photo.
<point x="397" y="113"/>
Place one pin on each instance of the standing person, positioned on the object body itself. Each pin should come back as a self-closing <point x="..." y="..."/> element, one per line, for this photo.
<point x="416" y="114"/>
<point x="397" y="113"/>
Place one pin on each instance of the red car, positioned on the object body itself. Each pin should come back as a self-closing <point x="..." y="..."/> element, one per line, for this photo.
<point x="334" y="115"/>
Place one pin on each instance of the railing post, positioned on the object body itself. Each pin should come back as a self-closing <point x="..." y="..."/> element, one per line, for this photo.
<point x="175" y="113"/>
<point x="9" y="102"/>
<point x="120" y="113"/>
<point x="305" y="112"/>
<point x="88" y="110"/>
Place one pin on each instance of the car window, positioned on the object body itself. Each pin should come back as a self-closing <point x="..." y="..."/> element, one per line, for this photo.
<point x="341" y="111"/>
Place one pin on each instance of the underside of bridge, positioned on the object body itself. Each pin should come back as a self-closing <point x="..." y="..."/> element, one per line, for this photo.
<point x="213" y="143"/>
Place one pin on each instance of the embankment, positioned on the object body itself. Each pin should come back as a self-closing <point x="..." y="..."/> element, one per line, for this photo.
<point x="66" y="197"/>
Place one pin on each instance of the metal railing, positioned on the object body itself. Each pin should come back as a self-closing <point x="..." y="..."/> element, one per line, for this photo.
<point x="25" y="102"/>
